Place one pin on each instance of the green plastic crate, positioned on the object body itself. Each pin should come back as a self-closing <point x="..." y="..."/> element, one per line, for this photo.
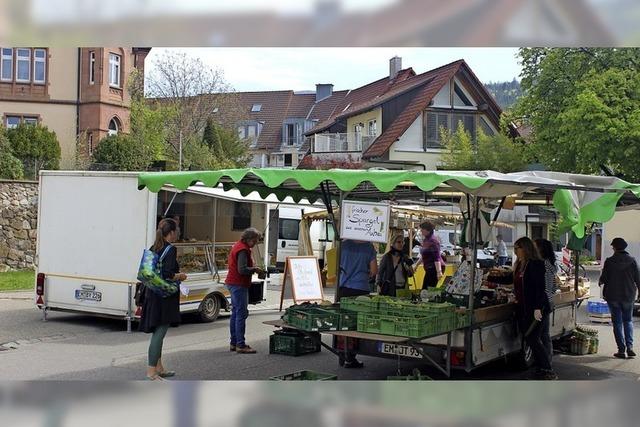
<point x="462" y="320"/>
<point x="416" y="375"/>
<point x="348" y="318"/>
<point x="292" y="344"/>
<point x="312" y="319"/>
<point x="412" y="327"/>
<point x="351" y="304"/>
<point x="304" y="376"/>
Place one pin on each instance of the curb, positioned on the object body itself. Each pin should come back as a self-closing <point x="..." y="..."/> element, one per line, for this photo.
<point x="17" y="295"/>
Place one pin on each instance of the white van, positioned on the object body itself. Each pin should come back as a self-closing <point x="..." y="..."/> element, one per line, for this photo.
<point x="93" y="226"/>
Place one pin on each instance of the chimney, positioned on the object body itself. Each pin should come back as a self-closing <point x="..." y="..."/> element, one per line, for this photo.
<point x="323" y="90"/>
<point x="395" y="65"/>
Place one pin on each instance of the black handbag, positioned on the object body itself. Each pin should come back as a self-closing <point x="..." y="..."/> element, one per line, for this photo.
<point x="139" y="295"/>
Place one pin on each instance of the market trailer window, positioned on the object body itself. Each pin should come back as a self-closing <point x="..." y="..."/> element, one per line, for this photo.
<point x="241" y="216"/>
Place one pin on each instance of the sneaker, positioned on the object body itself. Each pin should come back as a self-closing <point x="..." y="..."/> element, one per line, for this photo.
<point x="631" y="353"/>
<point x="549" y="376"/>
<point x="353" y="364"/>
<point x="620" y="355"/>
<point x="232" y="347"/>
<point x="245" y="350"/>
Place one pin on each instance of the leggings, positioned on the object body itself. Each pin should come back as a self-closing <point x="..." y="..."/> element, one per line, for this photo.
<point x="155" y="346"/>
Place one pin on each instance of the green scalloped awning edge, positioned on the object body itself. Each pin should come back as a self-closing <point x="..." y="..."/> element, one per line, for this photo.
<point x="345" y="180"/>
<point x="599" y="210"/>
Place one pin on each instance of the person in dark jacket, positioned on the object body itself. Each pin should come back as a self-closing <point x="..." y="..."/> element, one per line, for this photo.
<point x="545" y="248"/>
<point x="238" y="281"/>
<point x="431" y="257"/>
<point x="395" y="268"/>
<point x="158" y="312"/>
<point x="532" y="304"/>
<point x="621" y="282"/>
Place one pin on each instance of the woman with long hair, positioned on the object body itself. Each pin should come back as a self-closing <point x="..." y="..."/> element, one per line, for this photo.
<point x="545" y="248"/>
<point x="158" y="312"/>
<point x="532" y="304"/>
<point x="395" y="268"/>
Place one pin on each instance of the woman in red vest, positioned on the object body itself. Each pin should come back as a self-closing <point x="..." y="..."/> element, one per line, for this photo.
<point x="238" y="281"/>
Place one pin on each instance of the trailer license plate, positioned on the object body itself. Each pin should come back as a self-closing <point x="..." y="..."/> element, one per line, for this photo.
<point x="81" y="294"/>
<point x="400" y="350"/>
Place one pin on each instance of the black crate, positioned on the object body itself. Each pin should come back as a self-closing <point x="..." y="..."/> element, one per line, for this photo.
<point x="292" y="343"/>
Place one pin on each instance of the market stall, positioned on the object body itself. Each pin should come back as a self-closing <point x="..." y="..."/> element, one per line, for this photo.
<point x="578" y="199"/>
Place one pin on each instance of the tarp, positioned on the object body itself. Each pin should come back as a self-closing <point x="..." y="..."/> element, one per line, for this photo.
<point x="579" y="199"/>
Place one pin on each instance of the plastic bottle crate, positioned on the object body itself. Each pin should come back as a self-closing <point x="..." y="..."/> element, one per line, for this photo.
<point x="348" y="319"/>
<point x="292" y="343"/>
<point x="304" y="376"/>
<point x="412" y="327"/>
<point x="361" y="306"/>
<point x="312" y="319"/>
<point x="597" y="307"/>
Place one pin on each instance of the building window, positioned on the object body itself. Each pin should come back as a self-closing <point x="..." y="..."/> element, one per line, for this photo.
<point x="13" y="121"/>
<point x="290" y="134"/>
<point x="461" y="95"/>
<point x="372" y="128"/>
<point x="485" y="127"/>
<point x="6" y="64"/>
<point x="114" y="70"/>
<point x="114" y="127"/>
<point x="256" y="108"/>
<point x="288" y="159"/>
<point x="241" y="216"/>
<point x="92" y="67"/>
<point x="250" y="130"/>
<point x="90" y="143"/>
<point x="39" y="65"/>
<point x="23" y="65"/>
<point x="436" y="121"/>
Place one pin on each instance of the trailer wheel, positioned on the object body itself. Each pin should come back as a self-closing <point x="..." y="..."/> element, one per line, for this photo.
<point x="209" y="308"/>
<point x="524" y="358"/>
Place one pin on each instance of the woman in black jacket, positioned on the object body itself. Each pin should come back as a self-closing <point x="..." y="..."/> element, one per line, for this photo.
<point x="158" y="312"/>
<point x="395" y="268"/>
<point x="532" y="304"/>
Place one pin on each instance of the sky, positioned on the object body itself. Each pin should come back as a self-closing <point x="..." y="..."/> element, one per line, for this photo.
<point x="259" y="69"/>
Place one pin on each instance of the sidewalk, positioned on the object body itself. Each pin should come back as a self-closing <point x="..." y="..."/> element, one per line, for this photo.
<point x="20" y="295"/>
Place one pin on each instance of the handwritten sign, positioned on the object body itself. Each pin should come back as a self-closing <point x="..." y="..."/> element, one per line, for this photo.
<point x="368" y="222"/>
<point x="301" y="280"/>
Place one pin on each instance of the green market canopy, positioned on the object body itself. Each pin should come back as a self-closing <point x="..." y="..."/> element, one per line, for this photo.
<point x="579" y="199"/>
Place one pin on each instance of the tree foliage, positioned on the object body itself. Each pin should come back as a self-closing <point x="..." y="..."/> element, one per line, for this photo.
<point x="489" y="152"/>
<point x="36" y="146"/>
<point x="226" y="146"/>
<point x="583" y="107"/>
<point x="122" y="153"/>
<point x="10" y="166"/>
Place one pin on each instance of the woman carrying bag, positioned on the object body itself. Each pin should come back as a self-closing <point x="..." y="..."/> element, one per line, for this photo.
<point x="395" y="268"/>
<point x="532" y="303"/>
<point x="160" y="312"/>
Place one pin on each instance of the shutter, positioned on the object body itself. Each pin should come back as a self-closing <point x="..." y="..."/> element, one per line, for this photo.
<point x="432" y="129"/>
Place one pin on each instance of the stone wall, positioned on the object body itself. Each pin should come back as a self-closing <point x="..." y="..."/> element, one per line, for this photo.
<point x="18" y="222"/>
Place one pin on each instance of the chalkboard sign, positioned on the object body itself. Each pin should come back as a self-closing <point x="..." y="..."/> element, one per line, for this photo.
<point x="368" y="222"/>
<point x="301" y="280"/>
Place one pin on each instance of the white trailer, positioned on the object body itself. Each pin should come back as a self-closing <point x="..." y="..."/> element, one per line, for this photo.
<point x="92" y="228"/>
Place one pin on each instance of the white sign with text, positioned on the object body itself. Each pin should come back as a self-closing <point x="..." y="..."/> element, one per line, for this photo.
<point x="368" y="222"/>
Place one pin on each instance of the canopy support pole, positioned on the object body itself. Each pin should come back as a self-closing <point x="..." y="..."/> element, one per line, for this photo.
<point x="474" y="205"/>
<point x="338" y="246"/>
<point x="576" y="271"/>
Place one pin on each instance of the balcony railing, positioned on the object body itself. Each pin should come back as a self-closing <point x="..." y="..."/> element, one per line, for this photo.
<point x="340" y="142"/>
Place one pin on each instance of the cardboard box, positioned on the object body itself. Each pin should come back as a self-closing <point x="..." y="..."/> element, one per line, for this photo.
<point x="564" y="297"/>
<point x="496" y="312"/>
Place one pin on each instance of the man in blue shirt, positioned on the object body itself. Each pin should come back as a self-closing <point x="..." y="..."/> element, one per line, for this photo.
<point x="358" y="265"/>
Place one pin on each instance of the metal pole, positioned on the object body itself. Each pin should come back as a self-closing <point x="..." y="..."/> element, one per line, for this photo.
<point x="576" y="271"/>
<point x="129" y="307"/>
<point x="180" y="151"/>
<point x="468" y="337"/>
<point x="338" y="247"/>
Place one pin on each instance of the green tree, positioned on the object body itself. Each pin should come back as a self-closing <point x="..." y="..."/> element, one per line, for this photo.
<point x="225" y="145"/>
<point x="36" y="146"/>
<point x="10" y="166"/>
<point x="489" y="152"/>
<point x="122" y="153"/>
<point x="581" y="105"/>
<point x="211" y="137"/>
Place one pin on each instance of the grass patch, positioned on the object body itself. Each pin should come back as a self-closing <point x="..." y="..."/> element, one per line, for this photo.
<point x="17" y="280"/>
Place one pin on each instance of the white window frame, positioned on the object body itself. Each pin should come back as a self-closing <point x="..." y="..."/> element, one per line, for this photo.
<point x="115" y="62"/>
<point x="375" y="127"/>
<point x="92" y="67"/>
<point x="3" y="58"/>
<point x="20" y="59"/>
<point x="42" y="61"/>
<point x="31" y="120"/>
<point x="256" y="108"/>
<point x="6" y="121"/>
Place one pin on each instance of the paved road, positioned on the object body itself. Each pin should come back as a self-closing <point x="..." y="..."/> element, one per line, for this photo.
<point x="75" y="347"/>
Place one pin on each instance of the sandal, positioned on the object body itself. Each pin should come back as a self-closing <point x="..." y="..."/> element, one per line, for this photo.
<point x="245" y="350"/>
<point x="167" y="374"/>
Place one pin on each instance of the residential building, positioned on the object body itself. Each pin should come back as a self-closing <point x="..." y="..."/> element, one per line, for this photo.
<point x="395" y="121"/>
<point x="72" y="91"/>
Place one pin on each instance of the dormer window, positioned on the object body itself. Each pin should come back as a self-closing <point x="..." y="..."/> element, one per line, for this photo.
<point x="256" y="108"/>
